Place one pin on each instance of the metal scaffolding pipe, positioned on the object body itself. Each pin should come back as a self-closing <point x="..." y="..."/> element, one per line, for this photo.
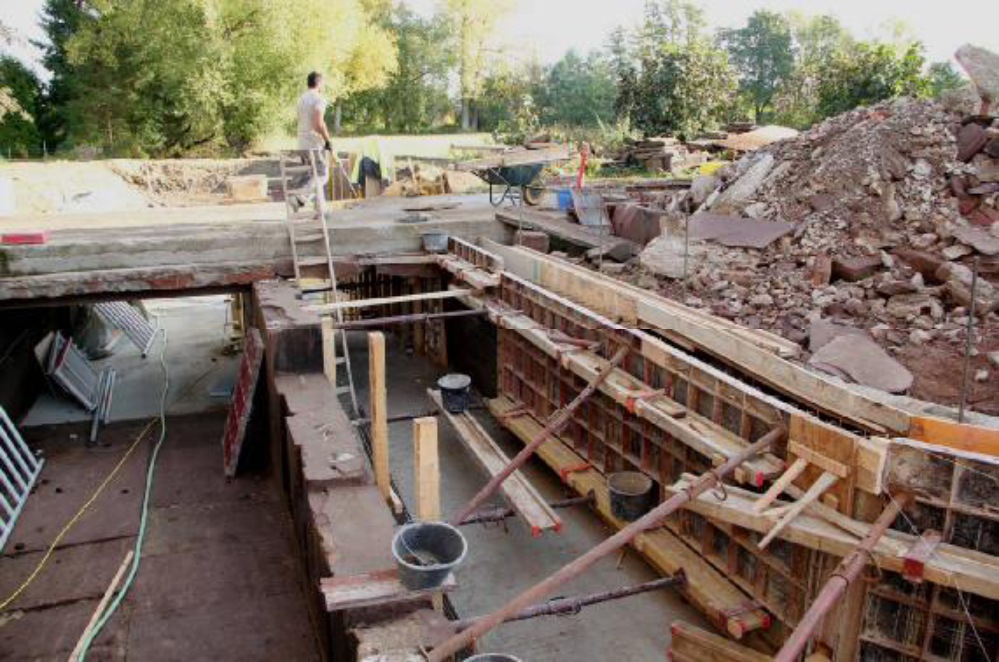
<point x="652" y="519"/>
<point x="557" y="422"/>
<point x="572" y="606"/>
<point x="844" y="574"/>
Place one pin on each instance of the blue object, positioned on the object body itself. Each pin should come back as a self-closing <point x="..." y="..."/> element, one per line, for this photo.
<point x="564" y="199"/>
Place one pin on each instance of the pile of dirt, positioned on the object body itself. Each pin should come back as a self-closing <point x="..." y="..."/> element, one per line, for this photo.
<point x="66" y="187"/>
<point x="185" y="182"/>
<point x="888" y="219"/>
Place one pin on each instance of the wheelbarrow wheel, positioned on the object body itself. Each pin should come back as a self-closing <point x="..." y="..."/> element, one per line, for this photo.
<point x="532" y="194"/>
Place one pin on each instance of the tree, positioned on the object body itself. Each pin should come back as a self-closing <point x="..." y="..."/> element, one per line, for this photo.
<point x="8" y="99"/>
<point x="577" y="91"/>
<point x="762" y="53"/>
<point x="19" y="135"/>
<point x="472" y="26"/>
<point x="175" y="76"/>
<point x="868" y="73"/>
<point x="674" y="80"/>
<point x="942" y="77"/>
<point x="414" y="97"/>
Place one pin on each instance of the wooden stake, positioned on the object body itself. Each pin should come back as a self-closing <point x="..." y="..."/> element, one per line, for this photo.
<point x="379" y="412"/>
<point x="112" y="587"/>
<point x="427" y="466"/>
<point x="329" y="350"/>
<point x="821" y="484"/>
<point x="780" y="485"/>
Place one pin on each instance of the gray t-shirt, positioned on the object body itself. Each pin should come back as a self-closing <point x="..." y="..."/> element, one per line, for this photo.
<point x="308" y="103"/>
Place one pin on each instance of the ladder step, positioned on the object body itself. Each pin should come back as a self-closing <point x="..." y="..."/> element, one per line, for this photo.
<point x="312" y="289"/>
<point x="297" y="169"/>
<point x="306" y="237"/>
<point x="340" y="360"/>
<point x="313" y="261"/>
<point x="340" y="390"/>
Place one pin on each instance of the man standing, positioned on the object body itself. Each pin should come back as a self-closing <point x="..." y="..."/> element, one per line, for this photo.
<point x="312" y="133"/>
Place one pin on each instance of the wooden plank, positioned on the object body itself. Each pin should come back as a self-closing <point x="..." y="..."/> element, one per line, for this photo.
<point x="780" y="485"/>
<point x="824" y="482"/>
<point x="378" y="588"/>
<point x="427" y="469"/>
<point x="701" y="434"/>
<point x="518" y="491"/>
<point x="812" y="456"/>
<point x="689" y="642"/>
<point x="970" y="571"/>
<point x="479" y="279"/>
<point x="914" y="564"/>
<point x="519" y="156"/>
<point x="379" y="413"/>
<point x="556" y="225"/>
<point x="706" y="588"/>
<point x="961" y="437"/>
<point x="387" y="301"/>
<point x="329" y="350"/>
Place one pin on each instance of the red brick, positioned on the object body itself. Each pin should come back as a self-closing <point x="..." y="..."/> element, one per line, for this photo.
<point x="537" y="240"/>
<point x="853" y="269"/>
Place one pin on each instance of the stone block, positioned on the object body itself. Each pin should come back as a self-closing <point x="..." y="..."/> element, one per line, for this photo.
<point x="852" y="269"/>
<point x="247" y="188"/>
<point x="538" y="241"/>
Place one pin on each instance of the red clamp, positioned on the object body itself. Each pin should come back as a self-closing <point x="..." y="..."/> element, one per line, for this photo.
<point x="519" y="410"/>
<point x="564" y="472"/>
<point x="631" y="400"/>
<point x="739" y="610"/>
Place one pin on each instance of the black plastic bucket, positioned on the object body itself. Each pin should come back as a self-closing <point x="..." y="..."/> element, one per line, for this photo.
<point x="426" y="553"/>
<point x="492" y="657"/>
<point x="454" y="391"/>
<point x="630" y="494"/>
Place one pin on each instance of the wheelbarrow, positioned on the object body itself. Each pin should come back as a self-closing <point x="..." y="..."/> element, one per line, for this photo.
<point x="513" y="183"/>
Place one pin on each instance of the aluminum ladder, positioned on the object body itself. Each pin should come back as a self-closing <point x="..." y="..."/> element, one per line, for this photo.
<point x="307" y="228"/>
<point x="19" y="469"/>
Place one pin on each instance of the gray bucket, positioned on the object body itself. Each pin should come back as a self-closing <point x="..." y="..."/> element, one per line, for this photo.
<point x="492" y="657"/>
<point x="434" y="242"/>
<point x="630" y="494"/>
<point x="426" y="553"/>
<point x="454" y="391"/>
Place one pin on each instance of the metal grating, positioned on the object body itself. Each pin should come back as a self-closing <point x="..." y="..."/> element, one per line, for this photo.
<point x="69" y="368"/>
<point x="19" y="469"/>
<point x="122" y="315"/>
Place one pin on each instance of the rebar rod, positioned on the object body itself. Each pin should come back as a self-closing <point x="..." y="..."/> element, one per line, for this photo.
<point x="572" y="606"/>
<point x="652" y="519"/>
<point x="499" y="514"/>
<point x="557" y="422"/>
<point x="844" y="574"/>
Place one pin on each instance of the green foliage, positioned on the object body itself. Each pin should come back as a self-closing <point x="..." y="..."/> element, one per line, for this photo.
<point x="762" y="53"/>
<point x="942" y="77"/>
<point x="866" y="74"/>
<point x="507" y="106"/>
<point x="172" y="77"/>
<point x="577" y="91"/>
<point x="472" y="28"/>
<point x="414" y="97"/>
<point x="671" y="78"/>
<point x="19" y="135"/>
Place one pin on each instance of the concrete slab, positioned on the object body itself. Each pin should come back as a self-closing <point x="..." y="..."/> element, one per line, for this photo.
<point x="186" y="244"/>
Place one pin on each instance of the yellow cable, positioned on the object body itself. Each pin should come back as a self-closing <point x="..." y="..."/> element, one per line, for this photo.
<point x="100" y="488"/>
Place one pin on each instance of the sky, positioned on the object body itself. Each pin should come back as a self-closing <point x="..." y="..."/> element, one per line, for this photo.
<point x="548" y="28"/>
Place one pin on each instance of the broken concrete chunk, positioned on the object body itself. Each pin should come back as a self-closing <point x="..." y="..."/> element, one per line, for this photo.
<point x="853" y="269"/>
<point x="821" y="270"/>
<point x="739" y="193"/>
<point x="904" y="306"/>
<point x="921" y="261"/>
<point x="982" y="241"/>
<point x="982" y="67"/>
<point x="664" y="256"/>
<point x="736" y="231"/>
<point x="970" y="141"/>
<point x="821" y="332"/>
<point x="702" y="187"/>
<point x="861" y="360"/>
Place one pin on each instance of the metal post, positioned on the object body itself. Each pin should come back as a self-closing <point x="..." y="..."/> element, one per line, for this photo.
<point x="652" y="519"/>
<point x="968" y="341"/>
<point x="572" y="606"/>
<point x="556" y="423"/>
<point x="844" y="574"/>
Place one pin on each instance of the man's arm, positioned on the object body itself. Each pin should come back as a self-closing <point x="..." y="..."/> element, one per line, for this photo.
<point x="319" y="124"/>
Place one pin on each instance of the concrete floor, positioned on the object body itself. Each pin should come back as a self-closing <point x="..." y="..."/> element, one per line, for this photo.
<point x="219" y="577"/>
<point x="502" y="562"/>
<point x="197" y="334"/>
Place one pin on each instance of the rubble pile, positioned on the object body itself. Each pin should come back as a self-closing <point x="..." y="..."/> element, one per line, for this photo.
<point x="890" y="206"/>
